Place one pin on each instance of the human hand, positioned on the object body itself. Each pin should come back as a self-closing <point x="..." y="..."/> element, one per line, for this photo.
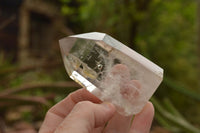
<point x="82" y="112"/>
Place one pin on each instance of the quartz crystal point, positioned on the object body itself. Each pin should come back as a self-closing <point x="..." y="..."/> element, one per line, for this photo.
<point x="110" y="70"/>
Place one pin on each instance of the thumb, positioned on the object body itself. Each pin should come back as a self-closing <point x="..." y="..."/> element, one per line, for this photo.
<point x="86" y="116"/>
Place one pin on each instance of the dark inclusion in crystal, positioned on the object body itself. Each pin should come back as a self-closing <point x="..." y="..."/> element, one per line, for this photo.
<point x="93" y="55"/>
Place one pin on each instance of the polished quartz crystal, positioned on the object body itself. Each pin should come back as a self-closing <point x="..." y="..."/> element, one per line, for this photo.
<point x="110" y="70"/>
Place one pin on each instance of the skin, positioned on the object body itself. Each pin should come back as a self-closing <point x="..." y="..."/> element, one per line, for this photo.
<point x="82" y="112"/>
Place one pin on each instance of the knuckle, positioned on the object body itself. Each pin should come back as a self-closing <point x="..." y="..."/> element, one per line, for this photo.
<point x="83" y="104"/>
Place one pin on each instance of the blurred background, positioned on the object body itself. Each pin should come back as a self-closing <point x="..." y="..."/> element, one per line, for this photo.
<point x="33" y="77"/>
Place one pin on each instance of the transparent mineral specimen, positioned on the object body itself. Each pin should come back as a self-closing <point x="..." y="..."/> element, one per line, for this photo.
<point x="110" y="70"/>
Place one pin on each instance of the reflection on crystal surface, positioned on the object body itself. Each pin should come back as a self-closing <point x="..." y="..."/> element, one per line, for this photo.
<point x="76" y="76"/>
<point x="110" y="70"/>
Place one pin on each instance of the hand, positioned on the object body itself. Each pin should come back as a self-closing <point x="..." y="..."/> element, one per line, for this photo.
<point x="82" y="112"/>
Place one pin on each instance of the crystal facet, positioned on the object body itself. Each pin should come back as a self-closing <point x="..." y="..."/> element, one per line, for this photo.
<point x="110" y="70"/>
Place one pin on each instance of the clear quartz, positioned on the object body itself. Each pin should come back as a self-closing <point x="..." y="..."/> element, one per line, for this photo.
<point x="110" y="70"/>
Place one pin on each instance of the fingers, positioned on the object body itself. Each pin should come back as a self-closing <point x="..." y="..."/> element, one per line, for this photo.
<point x="121" y="70"/>
<point x="86" y="116"/>
<point x="118" y="124"/>
<point x="84" y="95"/>
<point x="142" y="121"/>
<point x="66" y="105"/>
<point x="131" y="91"/>
<point x="58" y="112"/>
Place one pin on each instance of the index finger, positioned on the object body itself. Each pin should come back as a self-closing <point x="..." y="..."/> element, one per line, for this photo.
<point x="59" y="111"/>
